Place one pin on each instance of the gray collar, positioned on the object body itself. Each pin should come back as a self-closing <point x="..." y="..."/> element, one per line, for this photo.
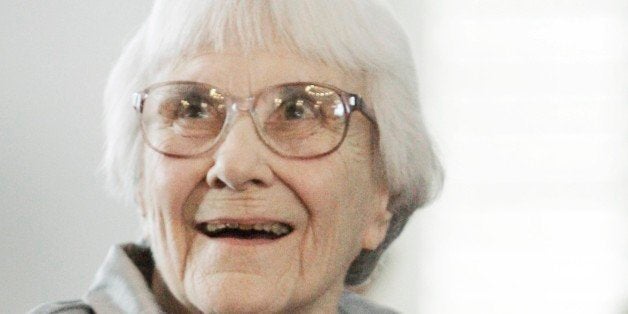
<point x="121" y="285"/>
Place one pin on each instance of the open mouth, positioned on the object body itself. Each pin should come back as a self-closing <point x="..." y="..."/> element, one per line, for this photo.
<point x="271" y="230"/>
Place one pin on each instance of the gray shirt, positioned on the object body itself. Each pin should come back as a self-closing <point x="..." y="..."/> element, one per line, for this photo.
<point x="122" y="285"/>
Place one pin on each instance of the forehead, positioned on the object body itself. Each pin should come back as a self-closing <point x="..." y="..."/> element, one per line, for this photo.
<point x="241" y="75"/>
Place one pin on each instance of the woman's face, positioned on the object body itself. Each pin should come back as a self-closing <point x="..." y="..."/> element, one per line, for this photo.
<point x="335" y="204"/>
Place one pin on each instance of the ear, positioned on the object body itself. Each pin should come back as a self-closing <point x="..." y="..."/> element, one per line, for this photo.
<point x="379" y="220"/>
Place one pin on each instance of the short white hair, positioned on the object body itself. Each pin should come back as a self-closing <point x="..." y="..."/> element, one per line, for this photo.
<point x="361" y="36"/>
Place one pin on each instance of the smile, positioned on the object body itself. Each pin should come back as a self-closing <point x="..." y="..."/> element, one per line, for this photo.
<point x="247" y="231"/>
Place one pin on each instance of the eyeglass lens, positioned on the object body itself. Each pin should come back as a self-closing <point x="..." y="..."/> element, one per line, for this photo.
<point x="294" y="120"/>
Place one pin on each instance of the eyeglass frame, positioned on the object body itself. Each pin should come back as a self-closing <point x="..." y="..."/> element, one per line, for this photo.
<point x="351" y="102"/>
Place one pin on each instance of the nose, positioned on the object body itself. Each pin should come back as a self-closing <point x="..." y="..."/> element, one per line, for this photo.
<point x="240" y="159"/>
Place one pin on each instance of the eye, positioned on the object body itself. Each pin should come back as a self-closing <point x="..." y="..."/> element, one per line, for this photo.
<point x="195" y="110"/>
<point x="297" y="108"/>
<point x="196" y="115"/>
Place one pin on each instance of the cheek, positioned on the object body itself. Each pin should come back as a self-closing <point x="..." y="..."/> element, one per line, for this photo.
<point x="169" y="182"/>
<point x="343" y="198"/>
<point x="334" y="191"/>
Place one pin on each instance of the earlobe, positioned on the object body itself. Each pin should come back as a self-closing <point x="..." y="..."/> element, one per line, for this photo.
<point x="377" y="227"/>
<point x="376" y="232"/>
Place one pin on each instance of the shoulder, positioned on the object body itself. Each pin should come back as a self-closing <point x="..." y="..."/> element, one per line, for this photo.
<point x="63" y="307"/>
<point x="353" y="303"/>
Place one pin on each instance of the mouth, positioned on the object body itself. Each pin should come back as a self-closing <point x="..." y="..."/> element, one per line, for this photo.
<point x="244" y="231"/>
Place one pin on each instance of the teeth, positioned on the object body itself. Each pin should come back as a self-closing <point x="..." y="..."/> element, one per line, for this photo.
<point x="276" y="228"/>
<point x="215" y="227"/>
<point x="284" y="229"/>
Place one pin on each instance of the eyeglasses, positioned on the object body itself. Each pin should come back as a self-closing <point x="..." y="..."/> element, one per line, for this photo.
<point x="296" y="120"/>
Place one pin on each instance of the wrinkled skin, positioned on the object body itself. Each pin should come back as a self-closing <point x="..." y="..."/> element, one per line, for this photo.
<point x="336" y="203"/>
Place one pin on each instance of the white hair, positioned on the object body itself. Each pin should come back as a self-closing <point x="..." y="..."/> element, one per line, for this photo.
<point x="362" y="36"/>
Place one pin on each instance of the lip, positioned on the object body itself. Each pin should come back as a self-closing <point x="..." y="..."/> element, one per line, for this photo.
<point x="247" y="221"/>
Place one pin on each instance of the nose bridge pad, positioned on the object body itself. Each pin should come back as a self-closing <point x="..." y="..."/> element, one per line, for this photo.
<point x="237" y="107"/>
<point x="244" y="104"/>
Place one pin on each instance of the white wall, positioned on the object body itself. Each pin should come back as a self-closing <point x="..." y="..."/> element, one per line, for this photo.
<point x="56" y="220"/>
<point x="528" y="101"/>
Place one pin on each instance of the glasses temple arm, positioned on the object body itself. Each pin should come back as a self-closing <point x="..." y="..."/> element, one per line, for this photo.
<point x="355" y="102"/>
<point x="138" y="101"/>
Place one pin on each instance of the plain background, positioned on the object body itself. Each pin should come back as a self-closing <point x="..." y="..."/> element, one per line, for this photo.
<point x="527" y="101"/>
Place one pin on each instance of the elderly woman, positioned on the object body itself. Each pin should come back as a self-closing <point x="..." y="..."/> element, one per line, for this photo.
<point x="274" y="149"/>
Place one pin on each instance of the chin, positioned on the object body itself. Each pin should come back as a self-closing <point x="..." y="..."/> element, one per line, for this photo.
<point x="234" y="293"/>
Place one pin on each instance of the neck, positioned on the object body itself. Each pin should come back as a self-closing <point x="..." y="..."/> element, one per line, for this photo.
<point x="326" y="303"/>
<point x="165" y="299"/>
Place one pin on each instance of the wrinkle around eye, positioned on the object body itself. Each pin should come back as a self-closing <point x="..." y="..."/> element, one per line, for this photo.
<point x="293" y="129"/>
<point x="168" y="110"/>
<point x="185" y="128"/>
